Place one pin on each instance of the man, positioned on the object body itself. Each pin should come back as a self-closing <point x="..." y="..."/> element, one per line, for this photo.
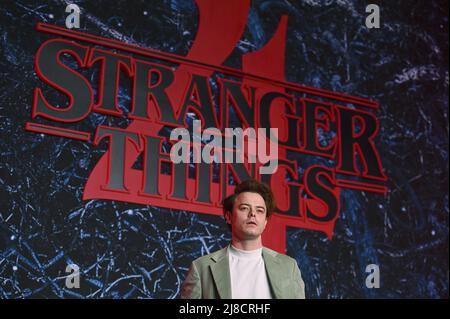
<point x="245" y="269"/>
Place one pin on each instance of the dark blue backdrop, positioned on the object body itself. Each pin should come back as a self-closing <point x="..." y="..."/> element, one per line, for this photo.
<point x="130" y="251"/>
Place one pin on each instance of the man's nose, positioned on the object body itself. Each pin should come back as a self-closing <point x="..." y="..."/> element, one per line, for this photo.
<point x="251" y="212"/>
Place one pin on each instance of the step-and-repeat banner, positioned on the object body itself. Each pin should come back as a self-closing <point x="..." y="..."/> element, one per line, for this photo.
<point x="125" y="124"/>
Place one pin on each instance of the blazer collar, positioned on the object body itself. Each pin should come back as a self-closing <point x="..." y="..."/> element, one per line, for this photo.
<point x="272" y="264"/>
<point x="221" y="273"/>
<point x="222" y="278"/>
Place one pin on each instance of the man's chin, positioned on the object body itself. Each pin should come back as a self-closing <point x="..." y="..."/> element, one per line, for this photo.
<point x="252" y="234"/>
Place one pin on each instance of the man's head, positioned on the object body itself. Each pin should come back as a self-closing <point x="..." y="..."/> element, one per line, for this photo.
<point x="247" y="210"/>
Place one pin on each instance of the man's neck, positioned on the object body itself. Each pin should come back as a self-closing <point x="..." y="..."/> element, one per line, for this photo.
<point x="246" y="244"/>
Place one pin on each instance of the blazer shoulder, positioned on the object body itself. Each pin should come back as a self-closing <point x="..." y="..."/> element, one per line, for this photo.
<point x="285" y="259"/>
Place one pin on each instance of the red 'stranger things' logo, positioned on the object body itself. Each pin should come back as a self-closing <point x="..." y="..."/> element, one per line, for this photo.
<point x="167" y="88"/>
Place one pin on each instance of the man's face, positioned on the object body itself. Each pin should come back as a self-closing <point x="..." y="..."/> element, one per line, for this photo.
<point x="248" y="219"/>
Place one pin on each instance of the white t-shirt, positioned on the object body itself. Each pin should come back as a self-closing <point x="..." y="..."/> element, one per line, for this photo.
<point x="248" y="274"/>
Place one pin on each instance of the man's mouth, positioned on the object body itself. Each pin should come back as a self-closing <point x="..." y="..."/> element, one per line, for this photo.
<point x="252" y="223"/>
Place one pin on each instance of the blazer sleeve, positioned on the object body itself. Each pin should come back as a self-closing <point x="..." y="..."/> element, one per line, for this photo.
<point x="191" y="288"/>
<point x="299" y="285"/>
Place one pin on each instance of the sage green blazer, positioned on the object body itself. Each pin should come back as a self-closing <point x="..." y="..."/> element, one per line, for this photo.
<point x="209" y="276"/>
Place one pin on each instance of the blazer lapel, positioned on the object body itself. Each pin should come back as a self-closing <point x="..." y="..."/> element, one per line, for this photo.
<point x="221" y="273"/>
<point x="273" y="273"/>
